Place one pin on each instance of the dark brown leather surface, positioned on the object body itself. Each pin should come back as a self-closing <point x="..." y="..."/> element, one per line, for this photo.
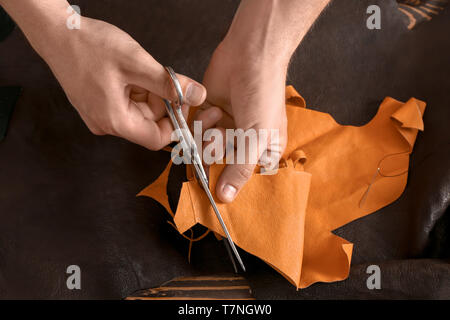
<point x="68" y="197"/>
<point x="6" y="24"/>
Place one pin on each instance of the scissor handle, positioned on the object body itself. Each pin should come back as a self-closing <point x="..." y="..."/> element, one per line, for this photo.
<point x="176" y="85"/>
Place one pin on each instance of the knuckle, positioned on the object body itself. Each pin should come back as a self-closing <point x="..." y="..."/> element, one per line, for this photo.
<point x="132" y="55"/>
<point x="158" y="144"/>
<point x="106" y="127"/>
<point x="96" y="131"/>
<point x="113" y="124"/>
<point x="112" y="127"/>
<point x="93" y="127"/>
<point x="244" y="172"/>
<point x="156" y="147"/>
<point x="134" y="49"/>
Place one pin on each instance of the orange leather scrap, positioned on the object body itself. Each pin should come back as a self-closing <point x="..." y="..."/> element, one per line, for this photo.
<point x="327" y="178"/>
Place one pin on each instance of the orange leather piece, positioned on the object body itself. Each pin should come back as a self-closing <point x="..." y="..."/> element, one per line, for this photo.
<point x="286" y="219"/>
<point x="158" y="189"/>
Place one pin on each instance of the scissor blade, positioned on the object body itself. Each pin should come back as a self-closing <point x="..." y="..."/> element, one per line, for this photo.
<point x="176" y="126"/>
<point x="193" y="153"/>
<point x="219" y="217"/>
<point x="190" y="148"/>
<point x="227" y="246"/>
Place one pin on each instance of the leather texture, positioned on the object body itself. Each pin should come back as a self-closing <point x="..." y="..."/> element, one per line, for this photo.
<point x="8" y="98"/>
<point x="6" y="24"/>
<point x="68" y="197"/>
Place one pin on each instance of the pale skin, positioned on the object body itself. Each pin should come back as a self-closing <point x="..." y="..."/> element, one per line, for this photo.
<point x="116" y="86"/>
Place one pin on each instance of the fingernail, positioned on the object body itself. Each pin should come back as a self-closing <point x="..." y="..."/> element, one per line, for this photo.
<point x="194" y="94"/>
<point x="229" y="192"/>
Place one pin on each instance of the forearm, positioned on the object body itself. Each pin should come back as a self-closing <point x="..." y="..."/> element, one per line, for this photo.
<point x="42" y="21"/>
<point x="273" y="28"/>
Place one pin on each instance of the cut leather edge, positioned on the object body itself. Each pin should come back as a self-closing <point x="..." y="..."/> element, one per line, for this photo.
<point x="410" y="118"/>
<point x="294" y="98"/>
<point x="347" y="249"/>
<point x="158" y="189"/>
<point x="186" y="218"/>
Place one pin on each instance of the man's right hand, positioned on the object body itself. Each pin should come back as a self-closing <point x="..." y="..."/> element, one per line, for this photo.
<point x="115" y="85"/>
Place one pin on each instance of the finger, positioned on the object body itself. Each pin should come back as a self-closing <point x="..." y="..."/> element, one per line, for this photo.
<point x="212" y="150"/>
<point x="135" y="127"/>
<point x="156" y="106"/>
<point x="138" y="94"/>
<point x="155" y="109"/>
<point x="232" y="179"/>
<point x="213" y="146"/>
<point x="93" y="128"/>
<point x="245" y="154"/>
<point x="208" y="117"/>
<point x="226" y="120"/>
<point x="144" y="71"/>
<point x="267" y="153"/>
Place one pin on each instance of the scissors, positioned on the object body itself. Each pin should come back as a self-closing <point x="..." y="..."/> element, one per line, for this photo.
<point x="190" y="150"/>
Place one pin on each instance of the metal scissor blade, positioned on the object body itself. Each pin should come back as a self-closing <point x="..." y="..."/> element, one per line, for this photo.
<point x="195" y="156"/>
<point x="190" y="149"/>
<point x="176" y="126"/>
<point x="227" y="246"/>
<point x="219" y="217"/>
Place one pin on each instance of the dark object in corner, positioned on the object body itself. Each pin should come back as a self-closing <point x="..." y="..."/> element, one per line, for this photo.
<point x="416" y="12"/>
<point x="199" y="288"/>
<point x="8" y="98"/>
<point x="6" y="24"/>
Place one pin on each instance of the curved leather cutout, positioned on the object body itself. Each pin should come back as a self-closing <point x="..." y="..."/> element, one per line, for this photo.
<point x="158" y="189"/>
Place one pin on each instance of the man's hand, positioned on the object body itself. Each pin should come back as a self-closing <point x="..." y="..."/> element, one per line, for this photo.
<point x="251" y="90"/>
<point x="115" y="85"/>
<point x="247" y="75"/>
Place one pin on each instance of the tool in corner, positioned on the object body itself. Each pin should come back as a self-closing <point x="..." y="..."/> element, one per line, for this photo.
<point x="189" y="146"/>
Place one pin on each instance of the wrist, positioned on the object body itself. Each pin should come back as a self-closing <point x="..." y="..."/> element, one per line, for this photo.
<point x="243" y="54"/>
<point x="57" y="38"/>
<point x="259" y="32"/>
<point x="43" y="22"/>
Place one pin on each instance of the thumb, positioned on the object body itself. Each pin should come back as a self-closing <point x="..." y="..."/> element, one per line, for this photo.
<point x="245" y="156"/>
<point x="147" y="73"/>
<point x="232" y="179"/>
<point x="265" y="151"/>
